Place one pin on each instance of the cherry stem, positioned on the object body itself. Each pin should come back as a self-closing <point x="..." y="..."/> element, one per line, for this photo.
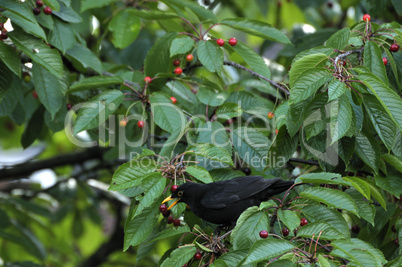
<point x="129" y="86"/>
<point x="189" y="34"/>
<point x="191" y="25"/>
<point x="210" y="27"/>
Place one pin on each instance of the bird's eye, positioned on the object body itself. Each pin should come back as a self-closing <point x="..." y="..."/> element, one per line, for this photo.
<point x="180" y="193"/>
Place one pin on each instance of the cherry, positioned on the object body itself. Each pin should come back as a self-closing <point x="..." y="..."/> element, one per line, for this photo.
<point x="163" y="208"/>
<point x="394" y="47"/>
<point x="140" y="124"/>
<point x="233" y="41"/>
<point x="197" y="256"/>
<point x="271" y="115"/>
<point x="174" y="100"/>
<point x="343" y="62"/>
<point x="303" y="221"/>
<point x="220" y="42"/>
<point x="69" y="106"/>
<point x="285" y="231"/>
<point x="355" y="229"/>
<point x="189" y="57"/>
<point x="276" y="131"/>
<point x="123" y="122"/>
<point x="34" y="94"/>
<point x="47" y="10"/>
<point x="176" y="62"/>
<point x="36" y="11"/>
<point x="385" y="60"/>
<point x="170" y="220"/>
<point x="39" y="3"/>
<point x="173" y="188"/>
<point x="366" y="17"/>
<point x="166" y="213"/>
<point x="263" y="234"/>
<point x="178" y="70"/>
<point x="3" y="35"/>
<point x="176" y="222"/>
<point x="246" y="171"/>
<point x="147" y="79"/>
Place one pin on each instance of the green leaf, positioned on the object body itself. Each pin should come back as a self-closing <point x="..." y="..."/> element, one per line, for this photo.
<point x="373" y="61"/>
<point x="199" y="173"/>
<point x="228" y="111"/>
<point x="341" y="118"/>
<point x="171" y="232"/>
<point x="322" y="178"/>
<point x="339" y="40"/>
<point x="180" y="256"/>
<point x="67" y="14"/>
<point x="210" y="56"/>
<point x="336" y="88"/>
<point x="252" y="146"/>
<point x="89" y="4"/>
<point x="95" y="82"/>
<point x="53" y="4"/>
<point x="22" y="15"/>
<point x="257" y="28"/>
<point x="5" y="81"/>
<point x="171" y="142"/>
<point x="304" y="64"/>
<point x="267" y="249"/>
<point x="368" y="151"/>
<point x="10" y="58"/>
<point x="209" y="97"/>
<point x="97" y="110"/>
<point x="322" y="229"/>
<point x="62" y="36"/>
<point x="140" y="227"/>
<point x="248" y="227"/>
<point x="394" y="161"/>
<point x="181" y="45"/>
<point x="125" y="28"/>
<point x="84" y="58"/>
<point x="255" y="61"/>
<point x="33" y="128"/>
<point x="200" y="11"/>
<point x="153" y="185"/>
<point x="153" y="14"/>
<point x="212" y="152"/>
<point x="360" y="185"/>
<point x="158" y="57"/>
<point x="365" y="209"/>
<point x="131" y="174"/>
<point x="391" y="183"/>
<point x="289" y="218"/>
<point x="48" y="88"/>
<point x="38" y="51"/>
<point x="282" y="148"/>
<point x="328" y="215"/>
<point x="394" y="68"/>
<point x="308" y="83"/>
<point x="382" y="122"/>
<point x="167" y="115"/>
<point x="333" y="198"/>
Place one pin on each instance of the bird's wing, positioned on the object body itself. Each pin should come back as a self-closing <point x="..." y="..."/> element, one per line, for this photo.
<point x="227" y="192"/>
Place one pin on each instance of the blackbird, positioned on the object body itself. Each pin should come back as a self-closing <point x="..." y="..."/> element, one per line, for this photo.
<point x="223" y="202"/>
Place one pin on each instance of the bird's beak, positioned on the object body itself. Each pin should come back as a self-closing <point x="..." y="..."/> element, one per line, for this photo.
<point x="170" y="198"/>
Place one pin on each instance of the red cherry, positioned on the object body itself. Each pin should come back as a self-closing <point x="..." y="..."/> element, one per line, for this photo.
<point x="166" y="213"/>
<point x="3" y="35"/>
<point x="343" y="62"/>
<point x="176" y="62"/>
<point x="174" y="100"/>
<point x="34" y="94"/>
<point x="366" y="17"/>
<point x="394" y="47"/>
<point x="140" y="124"/>
<point x="355" y="229"/>
<point x="189" y="57"/>
<point x="47" y="10"/>
<point x="385" y="60"/>
<point x="276" y="131"/>
<point x="285" y="231"/>
<point x="176" y="222"/>
<point x="198" y="256"/>
<point x="263" y="234"/>
<point x="147" y="79"/>
<point x="170" y="220"/>
<point x="39" y="3"/>
<point x="173" y="188"/>
<point x="123" y="122"/>
<point x="178" y="70"/>
<point x="233" y="41"/>
<point x="163" y="208"/>
<point x="220" y="42"/>
<point x="69" y="106"/>
<point x="271" y="115"/>
<point x="36" y="11"/>
<point x="303" y="221"/>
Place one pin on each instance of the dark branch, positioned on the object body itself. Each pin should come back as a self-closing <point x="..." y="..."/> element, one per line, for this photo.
<point x="304" y="161"/>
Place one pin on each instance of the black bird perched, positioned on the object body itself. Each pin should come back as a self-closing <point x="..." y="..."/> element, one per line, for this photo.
<point x="223" y="202"/>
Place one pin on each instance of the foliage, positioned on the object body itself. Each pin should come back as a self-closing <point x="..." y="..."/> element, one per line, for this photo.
<point x="337" y="116"/>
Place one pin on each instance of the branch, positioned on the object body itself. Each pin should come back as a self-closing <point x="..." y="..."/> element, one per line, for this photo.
<point x="24" y="169"/>
<point x="343" y="55"/>
<point x="303" y="161"/>
<point x="236" y="65"/>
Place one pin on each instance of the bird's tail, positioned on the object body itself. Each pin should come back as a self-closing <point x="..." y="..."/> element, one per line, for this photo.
<point x="281" y="186"/>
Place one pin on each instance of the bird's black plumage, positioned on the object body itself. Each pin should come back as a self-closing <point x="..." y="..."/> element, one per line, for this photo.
<point x="223" y="202"/>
